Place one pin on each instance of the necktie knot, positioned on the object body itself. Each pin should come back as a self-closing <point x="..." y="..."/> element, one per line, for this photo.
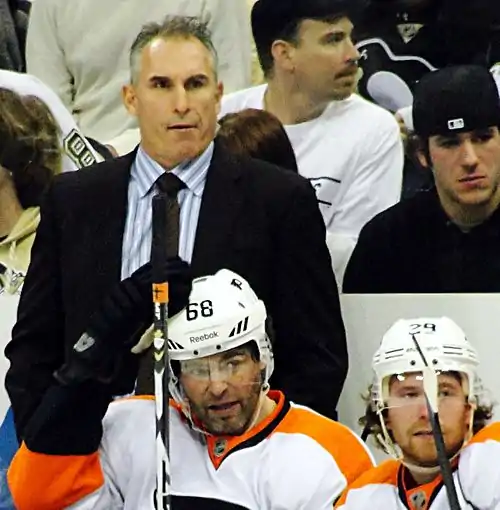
<point x="170" y="184"/>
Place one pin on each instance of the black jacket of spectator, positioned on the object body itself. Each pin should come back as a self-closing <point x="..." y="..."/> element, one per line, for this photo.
<point x="453" y="32"/>
<point x="256" y="219"/>
<point x="414" y="247"/>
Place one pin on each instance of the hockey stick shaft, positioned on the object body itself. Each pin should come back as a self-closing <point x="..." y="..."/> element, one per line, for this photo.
<point x="160" y="335"/>
<point x="444" y="463"/>
<point x="432" y="411"/>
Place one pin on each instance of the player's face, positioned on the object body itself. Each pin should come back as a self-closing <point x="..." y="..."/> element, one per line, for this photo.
<point x="408" y="418"/>
<point x="176" y="99"/>
<point x="325" y="60"/>
<point x="466" y="168"/>
<point x="223" y="390"/>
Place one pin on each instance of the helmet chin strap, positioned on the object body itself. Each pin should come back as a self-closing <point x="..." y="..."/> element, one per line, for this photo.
<point x="427" y="470"/>
<point x="258" y="408"/>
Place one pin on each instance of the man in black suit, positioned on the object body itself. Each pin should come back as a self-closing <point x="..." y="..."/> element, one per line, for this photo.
<point x="246" y="215"/>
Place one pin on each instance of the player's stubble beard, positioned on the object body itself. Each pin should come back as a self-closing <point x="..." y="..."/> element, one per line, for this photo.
<point x="237" y="425"/>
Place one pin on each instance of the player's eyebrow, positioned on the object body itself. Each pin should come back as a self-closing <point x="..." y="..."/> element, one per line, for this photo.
<point x="233" y="353"/>
<point x="449" y="385"/>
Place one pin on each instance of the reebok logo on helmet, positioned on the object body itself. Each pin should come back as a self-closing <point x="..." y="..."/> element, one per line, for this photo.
<point x="202" y="338"/>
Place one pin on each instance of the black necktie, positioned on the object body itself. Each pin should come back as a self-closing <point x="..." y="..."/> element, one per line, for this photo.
<point x="169" y="184"/>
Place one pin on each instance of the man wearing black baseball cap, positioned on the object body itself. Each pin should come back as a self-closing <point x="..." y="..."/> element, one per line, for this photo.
<point x="446" y="239"/>
<point x="348" y="148"/>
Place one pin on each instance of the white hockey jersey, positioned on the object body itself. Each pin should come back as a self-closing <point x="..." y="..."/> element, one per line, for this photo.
<point x="477" y="481"/>
<point x="76" y="150"/>
<point x="294" y="459"/>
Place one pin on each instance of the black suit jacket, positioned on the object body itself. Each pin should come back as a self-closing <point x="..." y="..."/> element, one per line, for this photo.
<point x="256" y="219"/>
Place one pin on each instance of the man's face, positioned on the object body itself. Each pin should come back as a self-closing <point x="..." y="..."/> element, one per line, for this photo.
<point x="176" y="99"/>
<point x="408" y="419"/>
<point x="466" y="166"/>
<point x="325" y="60"/>
<point x="223" y="390"/>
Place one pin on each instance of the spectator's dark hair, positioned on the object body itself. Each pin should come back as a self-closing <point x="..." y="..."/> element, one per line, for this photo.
<point x="274" y="20"/>
<point x="29" y="145"/>
<point x="257" y="134"/>
<point x="290" y="33"/>
<point x="417" y="145"/>
<point x="371" y="422"/>
<point x="184" y="27"/>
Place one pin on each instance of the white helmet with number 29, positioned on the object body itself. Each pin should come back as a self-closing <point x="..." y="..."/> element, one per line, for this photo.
<point x="445" y="348"/>
<point x="223" y="313"/>
<point x="443" y="343"/>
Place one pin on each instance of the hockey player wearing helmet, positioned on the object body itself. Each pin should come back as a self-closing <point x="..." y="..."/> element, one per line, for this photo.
<point x="397" y="417"/>
<point x="234" y="443"/>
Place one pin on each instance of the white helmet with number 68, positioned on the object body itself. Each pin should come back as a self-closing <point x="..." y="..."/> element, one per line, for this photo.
<point x="223" y="313"/>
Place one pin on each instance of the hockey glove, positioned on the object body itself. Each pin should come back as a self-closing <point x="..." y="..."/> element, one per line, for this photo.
<point x="122" y="318"/>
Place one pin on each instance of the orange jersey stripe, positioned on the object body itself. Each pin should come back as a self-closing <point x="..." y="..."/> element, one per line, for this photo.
<point x="348" y="451"/>
<point x="387" y="473"/>
<point x="42" y="481"/>
<point x="490" y="432"/>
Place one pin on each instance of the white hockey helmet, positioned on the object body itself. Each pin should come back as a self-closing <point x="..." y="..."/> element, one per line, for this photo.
<point x="444" y="345"/>
<point x="223" y="313"/>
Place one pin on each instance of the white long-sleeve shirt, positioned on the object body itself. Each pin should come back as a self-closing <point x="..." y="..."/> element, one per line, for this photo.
<point x="353" y="156"/>
<point x="80" y="48"/>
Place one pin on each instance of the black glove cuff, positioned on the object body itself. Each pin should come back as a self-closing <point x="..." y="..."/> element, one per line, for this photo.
<point x="69" y="420"/>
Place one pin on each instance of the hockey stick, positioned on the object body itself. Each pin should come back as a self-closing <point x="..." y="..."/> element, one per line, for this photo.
<point x="431" y="397"/>
<point x="365" y="433"/>
<point x="160" y="352"/>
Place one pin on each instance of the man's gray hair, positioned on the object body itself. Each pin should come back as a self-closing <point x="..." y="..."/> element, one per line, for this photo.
<point x="171" y="27"/>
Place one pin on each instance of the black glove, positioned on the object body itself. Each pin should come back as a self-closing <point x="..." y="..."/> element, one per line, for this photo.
<point x="122" y="318"/>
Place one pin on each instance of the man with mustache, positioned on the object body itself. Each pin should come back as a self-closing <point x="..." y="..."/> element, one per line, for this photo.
<point x="445" y="239"/>
<point x="348" y="148"/>
<point x="398" y="419"/>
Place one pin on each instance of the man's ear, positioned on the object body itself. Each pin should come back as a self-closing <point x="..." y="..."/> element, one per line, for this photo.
<point x="220" y="90"/>
<point x="283" y="54"/>
<point x="422" y="158"/>
<point x="218" y="96"/>
<point x="420" y="149"/>
<point x="129" y="98"/>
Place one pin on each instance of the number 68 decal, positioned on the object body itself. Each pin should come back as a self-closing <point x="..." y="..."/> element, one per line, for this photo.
<point x="203" y="309"/>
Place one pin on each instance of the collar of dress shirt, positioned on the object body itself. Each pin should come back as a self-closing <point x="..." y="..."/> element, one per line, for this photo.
<point x="145" y="171"/>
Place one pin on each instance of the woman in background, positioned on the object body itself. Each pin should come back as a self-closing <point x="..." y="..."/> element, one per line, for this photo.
<point x="257" y="134"/>
<point x="30" y="155"/>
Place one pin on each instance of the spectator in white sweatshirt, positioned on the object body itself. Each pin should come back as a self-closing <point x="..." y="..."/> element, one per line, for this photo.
<point x="80" y="49"/>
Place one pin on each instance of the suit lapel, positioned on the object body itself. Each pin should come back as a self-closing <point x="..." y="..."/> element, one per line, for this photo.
<point x="113" y="191"/>
<point x="220" y="206"/>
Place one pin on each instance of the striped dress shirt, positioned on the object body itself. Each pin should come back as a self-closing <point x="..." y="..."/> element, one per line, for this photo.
<point x="136" y="248"/>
